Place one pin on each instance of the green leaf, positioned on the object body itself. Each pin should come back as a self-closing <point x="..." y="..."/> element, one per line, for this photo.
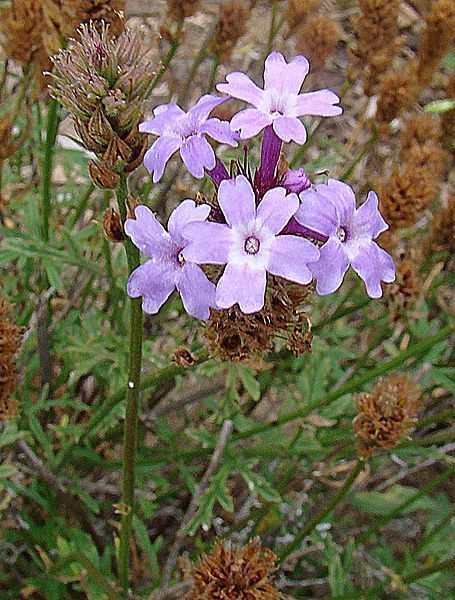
<point x="260" y="486"/>
<point x="380" y="504"/>
<point x="249" y="382"/>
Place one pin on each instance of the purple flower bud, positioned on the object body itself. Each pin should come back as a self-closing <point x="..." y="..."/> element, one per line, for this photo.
<point x="296" y="181"/>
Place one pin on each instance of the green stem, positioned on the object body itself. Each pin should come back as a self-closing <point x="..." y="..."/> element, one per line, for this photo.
<point x="273" y="30"/>
<point x="434" y="483"/>
<point x="82" y="204"/>
<point x="132" y="401"/>
<point x="365" y="149"/>
<point x="167" y="59"/>
<point x="444" y="415"/>
<point x="327" y="509"/>
<point x="48" y="159"/>
<point x="213" y="72"/>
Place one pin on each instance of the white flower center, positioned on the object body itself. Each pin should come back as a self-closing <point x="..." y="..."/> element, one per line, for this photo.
<point x="252" y="245"/>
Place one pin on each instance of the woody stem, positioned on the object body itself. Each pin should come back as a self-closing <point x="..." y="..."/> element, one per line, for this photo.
<point x="132" y="401"/>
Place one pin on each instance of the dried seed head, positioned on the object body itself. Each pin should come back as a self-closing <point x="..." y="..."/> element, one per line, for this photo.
<point x="437" y="39"/>
<point x="7" y="145"/>
<point x="237" y="574"/>
<point x="231" y="26"/>
<point x="386" y="413"/>
<point x="408" y="192"/>
<point x="181" y="9"/>
<point x="21" y="31"/>
<point x="397" y="92"/>
<point x="62" y="18"/>
<point x="402" y="295"/>
<point x="103" y="81"/>
<point x="420" y="143"/>
<point x="235" y="336"/>
<point x="10" y="339"/>
<point x="316" y="39"/>
<point x="376" y="32"/>
<point x="297" y="11"/>
<point x="442" y="232"/>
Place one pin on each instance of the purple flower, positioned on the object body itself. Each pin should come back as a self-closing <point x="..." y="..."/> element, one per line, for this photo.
<point x="249" y="244"/>
<point x="279" y="103"/>
<point x="296" y="181"/>
<point x="178" y="130"/>
<point x="166" y="270"/>
<point x="330" y="211"/>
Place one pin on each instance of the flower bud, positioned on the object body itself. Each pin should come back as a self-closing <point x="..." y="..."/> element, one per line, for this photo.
<point x="296" y="181"/>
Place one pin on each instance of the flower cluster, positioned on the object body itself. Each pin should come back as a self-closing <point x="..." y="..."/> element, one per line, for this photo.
<point x="261" y="228"/>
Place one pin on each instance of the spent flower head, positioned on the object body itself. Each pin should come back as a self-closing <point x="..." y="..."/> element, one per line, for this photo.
<point x="236" y="573"/>
<point x="330" y="211"/>
<point x="386" y="413"/>
<point x="279" y="104"/>
<point x="103" y="82"/>
<point x="167" y="269"/>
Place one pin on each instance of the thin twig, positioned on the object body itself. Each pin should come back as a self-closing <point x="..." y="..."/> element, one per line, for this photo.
<point x="198" y="493"/>
<point x="74" y="507"/>
<point x="174" y="591"/>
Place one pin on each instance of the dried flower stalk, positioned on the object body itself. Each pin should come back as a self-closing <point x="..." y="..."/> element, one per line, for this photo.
<point x="316" y="39"/>
<point x="437" y="39"/>
<point x="62" y="18"/>
<point x="386" y="414"/>
<point x="21" y="27"/>
<point x="297" y="11"/>
<point x="231" y="26"/>
<point x="377" y="40"/>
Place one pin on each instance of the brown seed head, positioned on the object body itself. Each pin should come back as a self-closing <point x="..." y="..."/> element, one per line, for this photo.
<point x="235" y="336"/>
<point x="236" y="574"/>
<point x="377" y="41"/>
<point x="10" y="339"/>
<point x="21" y="35"/>
<point x="442" y="232"/>
<point x="62" y="18"/>
<point x="386" y="413"/>
<point x="402" y="295"/>
<point x="437" y="39"/>
<point x="396" y="92"/>
<point x="103" y="81"/>
<point x="316" y="39"/>
<point x="231" y="26"/>
<point x="181" y="9"/>
<point x="297" y="11"/>
<point x="408" y="192"/>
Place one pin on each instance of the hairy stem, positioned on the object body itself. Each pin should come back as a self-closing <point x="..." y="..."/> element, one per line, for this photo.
<point x="327" y="509"/>
<point x="132" y="398"/>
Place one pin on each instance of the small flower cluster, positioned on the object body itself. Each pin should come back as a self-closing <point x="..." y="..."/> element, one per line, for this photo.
<point x="264" y="227"/>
